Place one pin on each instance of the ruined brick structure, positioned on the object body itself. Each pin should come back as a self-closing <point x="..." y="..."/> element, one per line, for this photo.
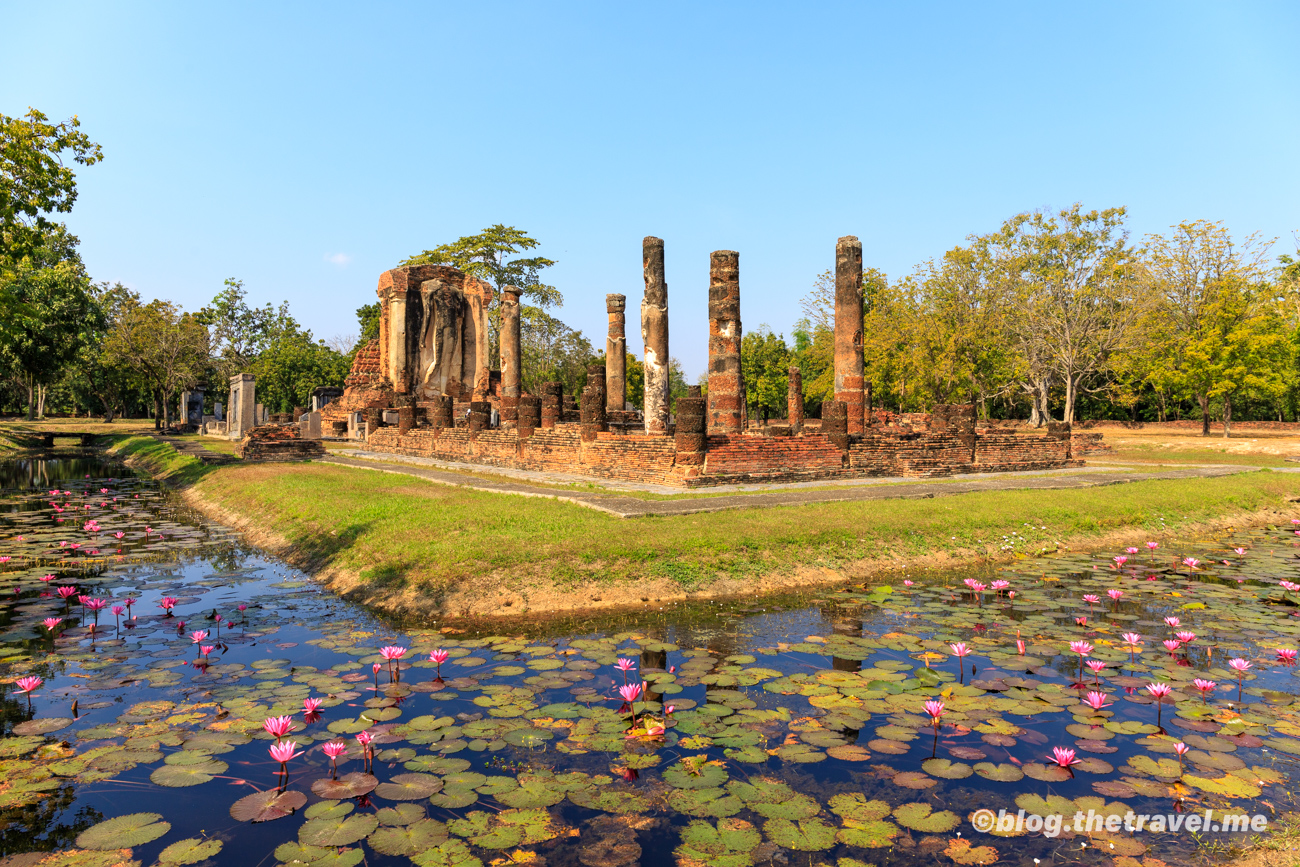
<point x="278" y="442"/>
<point x="424" y="389"/>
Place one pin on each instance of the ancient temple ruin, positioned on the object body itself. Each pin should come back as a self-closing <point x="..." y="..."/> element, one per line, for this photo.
<point x="424" y="387"/>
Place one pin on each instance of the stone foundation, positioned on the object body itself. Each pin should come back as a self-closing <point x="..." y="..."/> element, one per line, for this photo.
<point x="275" y="442"/>
<point x="691" y="458"/>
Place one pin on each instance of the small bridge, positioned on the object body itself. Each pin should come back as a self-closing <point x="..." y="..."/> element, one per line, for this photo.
<point x="47" y="438"/>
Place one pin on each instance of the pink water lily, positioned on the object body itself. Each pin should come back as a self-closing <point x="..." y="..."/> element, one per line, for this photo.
<point x="1204" y="687"/>
<point x="52" y="623"/>
<point x="334" y="749"/>
<point x="1172" y="644"/>
<point x="167" y="603"/>
<point x="1131" y="550"/>
<point x="311" y="705"/>
<point x="1286" y="655"/>
<point x="630" y="692"/>
<point x="1181" y="749"/>
<point x="1120" y="560"/>
<point x="1151" y="546"/>
<point x="205" y="650"/>
<point x="438" y="657"/>
<point x="1239" y="551"/>
<point x="1159" y="691"/>
<point x="1115" y="594"/>
<point x="283" y="751"/>
<point x="199" y="636"/>
<point x="278" y="726"/>
<point x="1241" y="666"/>
<point x="1096" y="666"/>
<point x="1173" y="622"/>
<point x="28" y="685"/>
<point x="1185" y="637"/>
<point x="364" y="738"/>
<point x="1063" y="757"/>
<point x="1020" y="646"/>
<point x="1082" y="648"/>
<point x="935" y="709"/>
<point x="1191" y="563"/>
<point x="1097" y="700"/>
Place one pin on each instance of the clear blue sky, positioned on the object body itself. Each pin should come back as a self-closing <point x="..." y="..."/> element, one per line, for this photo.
<point x="305" y="148"/>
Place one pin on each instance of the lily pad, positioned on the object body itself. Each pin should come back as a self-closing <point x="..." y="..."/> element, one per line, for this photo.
<point x="351" y="785"/>
<point x="190" y="851"/>
<point x="124" y="832"/>
<point x="920" y="817"/>
<point x="266" y="806"/>
<point x="408" y="787"/>
<point x="337" y="832"/>
<point x="807" y="835"/>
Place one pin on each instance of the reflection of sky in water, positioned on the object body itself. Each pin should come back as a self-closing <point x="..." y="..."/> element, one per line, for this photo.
<point x="290" y="619"/>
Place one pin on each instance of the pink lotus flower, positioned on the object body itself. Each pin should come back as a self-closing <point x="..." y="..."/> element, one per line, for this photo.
<point x="1181" y="749"/>
<point x="1191" y="562"/>
<point x="206" y="649"/>
<point x="1116" y="595"/>
<point x="1131" y="550"/>
<point x="1091" y="598"/>
<point x="999" y="585"/>
<point x="198" y="636"/>
<point x="1063" y="757"/>
<point x="167" y="604"/>
<point x="1151" y="546"/>
<point x="334" y="749"/>
<point x="47" y="578"/>
<point x="1159" y="690"/>
<point x="118" y="610"/>
<point x="1096" y="666"/>
<point x="907" y="582"/>
<point x="438" y="657"/>
<point x="1020" y="646"/>
<point x="1081" y="621"/>
<point x="1239" y="551"/>
<point x="278" y="725"/>
<point x="1204" y="686"/>
<point x="625" y="665"/>
<point x="935" y="709"/>
<point x="1185" y="637"/>
<point x="1286" y="655"/>
<point x="283" y="751"/>
<point x="1120" y="560"/>
<point x="1132" y="639"/>
<point x="52" y="623"/>
<point x="668" y="711"/>
<point x="1173" y="622"/>
<point x="1172" y="644"/>
<point x="1097" y="700"/>
<point x="630" y="691"/>
<point x="311" y="705"/>
<point x="1082" y="648"/>
<point x="959" y="649"/>
<point x="392" y="652"/>
<point x="29" y="683"/>
<point x="66" y="592"/>
<point x="1240" y="665"/>
<point x="364" y="738"/>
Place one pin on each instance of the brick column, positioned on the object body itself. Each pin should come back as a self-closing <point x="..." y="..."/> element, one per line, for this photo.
<point x="552" y="403"/>
<point x="405" y="413"/>
<point x="726" y="411"/>
<point x="480" y="415"/>
<point x="691" y="439"/>
<point x="592" y="411"/>
<point x="510" y="356"/>
<point x="596" y="380"/>
<point x="794" y="402"/>
<point x="835" y="423"/>
<point x="616" y="354"/>
<point x="848" y="329"/>
<point x="530" y="415"/>
<point x="654" y="333"/>
<point x="443" y="410"/>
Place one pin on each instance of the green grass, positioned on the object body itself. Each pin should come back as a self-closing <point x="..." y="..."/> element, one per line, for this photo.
<point x="1176" y="457"/>
<point x="158" y="459"/>
<point x="405" y="531"/>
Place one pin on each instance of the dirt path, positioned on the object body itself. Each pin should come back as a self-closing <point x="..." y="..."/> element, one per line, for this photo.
<point x="834" y="492"/>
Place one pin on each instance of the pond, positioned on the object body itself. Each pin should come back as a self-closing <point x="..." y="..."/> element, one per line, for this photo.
<point x="166" y="690"/>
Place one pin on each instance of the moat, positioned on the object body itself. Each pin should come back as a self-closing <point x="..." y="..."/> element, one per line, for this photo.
<point x="865" y="725"/>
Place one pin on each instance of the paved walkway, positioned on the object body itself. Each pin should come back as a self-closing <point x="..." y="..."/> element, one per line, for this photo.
<point x="716" y="499"/>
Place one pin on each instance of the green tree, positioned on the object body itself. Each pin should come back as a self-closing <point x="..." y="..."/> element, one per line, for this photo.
<point x="166" y="346"/>
<point x="634" y="376"/>
<point x="239" y="333"/>
<point x="35" y="180"/>
<point x="368" y="320"/>
<point x="1202" y="285"/>
<point x="491" y="255"/>
<point x="99" y="375"/>
<point x="1071" y="295"/>
<point x="49" y="303"/>
<point x="551" y="351"/>
<point x="292" y="366"/>
<point x="765" y="366"/>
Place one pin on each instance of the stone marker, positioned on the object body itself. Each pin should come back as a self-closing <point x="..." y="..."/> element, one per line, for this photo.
<point x="848" y="329"/>
<point x="309" y="426"/>
<point x="726" y="410"/>
<point x="794" y="402"/>
<point x="243" y="405"/>
<point x="510" y="357"/>
<point x="616" y="354"/>
<point x="654" y="334"/>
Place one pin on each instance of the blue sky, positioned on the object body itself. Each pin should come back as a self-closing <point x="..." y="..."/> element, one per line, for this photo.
<point x="304" y="148"/>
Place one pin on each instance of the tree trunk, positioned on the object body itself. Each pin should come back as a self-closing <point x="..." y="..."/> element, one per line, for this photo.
<point x="1164" y="412"/>
<point x="31" y="401"/>
<point x="157" y="412"/>
<point x="1071" y="394"/>
<point x="42" y="391"/>
<point x="1227" y="416"/>
<point x="1204" y="400"/>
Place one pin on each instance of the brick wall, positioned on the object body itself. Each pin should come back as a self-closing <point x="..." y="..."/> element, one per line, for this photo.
<point x="947" y="445"/>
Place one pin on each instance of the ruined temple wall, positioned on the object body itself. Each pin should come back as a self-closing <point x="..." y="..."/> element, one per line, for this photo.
<point x="1003" y="452"/>
<point x="757" y="455"/>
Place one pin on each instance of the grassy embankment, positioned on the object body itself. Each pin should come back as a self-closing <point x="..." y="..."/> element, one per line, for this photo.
<point x="405" y="544"/>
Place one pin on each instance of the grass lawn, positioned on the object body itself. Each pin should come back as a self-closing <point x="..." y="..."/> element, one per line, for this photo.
<point x="411" y="533"/>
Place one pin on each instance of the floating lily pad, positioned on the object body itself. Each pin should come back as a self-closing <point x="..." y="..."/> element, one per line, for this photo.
<point x="351" y="785"/>
<point x="408" y="787"/>
<point x="337" y="832"/>
<point x="266" y="806"/>
<point x="124" y="832"/>
<point x="807" y="835"/>
<point x="190" y="851"/>
<point x="408" y="839"/>
<point x="920" y="817"/>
